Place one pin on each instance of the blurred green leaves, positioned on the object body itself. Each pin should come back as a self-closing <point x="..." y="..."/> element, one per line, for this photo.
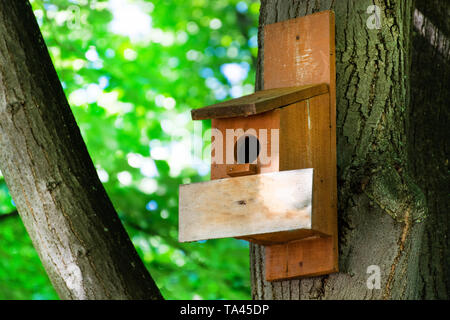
<point x="132" y="70"/>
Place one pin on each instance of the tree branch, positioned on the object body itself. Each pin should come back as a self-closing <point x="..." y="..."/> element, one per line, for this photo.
<point x="65" y="205"/>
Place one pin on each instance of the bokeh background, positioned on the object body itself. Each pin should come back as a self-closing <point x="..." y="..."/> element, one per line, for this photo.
<point x="132" y="70"/>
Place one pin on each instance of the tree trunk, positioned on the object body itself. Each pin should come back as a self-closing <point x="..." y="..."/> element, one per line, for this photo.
<point x="393" y="206"/>
<point x="71" y="221"/>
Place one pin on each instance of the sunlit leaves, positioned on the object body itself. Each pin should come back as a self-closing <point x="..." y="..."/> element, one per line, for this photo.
<point x="132" y="70"/>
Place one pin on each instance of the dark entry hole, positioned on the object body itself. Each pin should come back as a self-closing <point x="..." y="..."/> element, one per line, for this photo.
<point x="246" y="149"/>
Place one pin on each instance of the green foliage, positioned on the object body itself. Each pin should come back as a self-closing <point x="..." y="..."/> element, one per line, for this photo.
<point x="21" y="273"/>
<point x="132" y="70"/>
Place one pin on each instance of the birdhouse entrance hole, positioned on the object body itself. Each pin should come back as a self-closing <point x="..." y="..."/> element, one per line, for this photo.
<point x="246" y="149"/>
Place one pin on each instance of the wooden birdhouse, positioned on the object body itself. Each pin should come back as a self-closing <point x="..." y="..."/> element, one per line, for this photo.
<point x="273" y="171"/>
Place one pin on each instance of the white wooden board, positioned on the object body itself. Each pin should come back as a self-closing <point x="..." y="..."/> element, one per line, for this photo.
<point x="249" y="205"/>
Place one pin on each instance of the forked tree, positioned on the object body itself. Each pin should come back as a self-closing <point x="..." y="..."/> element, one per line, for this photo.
<point x="393" y="183"/>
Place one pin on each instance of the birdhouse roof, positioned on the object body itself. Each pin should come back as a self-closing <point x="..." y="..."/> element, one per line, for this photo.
<point x="259" y="102"/>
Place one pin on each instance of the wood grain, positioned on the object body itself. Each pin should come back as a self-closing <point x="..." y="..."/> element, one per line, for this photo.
<point x="301" y="257"/>
<point x="243" y="206"/>
<point x="305" y="143"/>
<point x="307" y="133"/>
<point x="282" y="237"/>
<point x="250" y="125"/>
<point x="241" y="169"/>
<point x="259" y="102"/>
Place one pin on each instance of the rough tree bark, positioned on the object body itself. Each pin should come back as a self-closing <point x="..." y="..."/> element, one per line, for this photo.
<point x="392" y="166"/>
<point x="71" y="221"/>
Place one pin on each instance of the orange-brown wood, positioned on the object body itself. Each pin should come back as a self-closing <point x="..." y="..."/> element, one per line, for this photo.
<point x="282" y="237"/>
<point x="305" y="143"/>
<point x="259" y="102"/>
<point x="301" y="257"/>
<point x="266" y="121"/>
<point x="299" y="52"/>
<point x="241" y="169"/>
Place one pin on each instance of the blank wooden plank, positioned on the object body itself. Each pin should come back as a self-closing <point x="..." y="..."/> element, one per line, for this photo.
<point x="300" y="52"/>
<point x="259" y="102"/>
<point x="242" y="206"/>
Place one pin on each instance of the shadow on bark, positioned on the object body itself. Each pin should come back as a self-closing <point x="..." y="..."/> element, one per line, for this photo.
<point x="428" y="136"/>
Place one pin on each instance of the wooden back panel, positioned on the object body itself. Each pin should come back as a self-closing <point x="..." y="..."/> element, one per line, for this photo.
<point x="299" y="52"/>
